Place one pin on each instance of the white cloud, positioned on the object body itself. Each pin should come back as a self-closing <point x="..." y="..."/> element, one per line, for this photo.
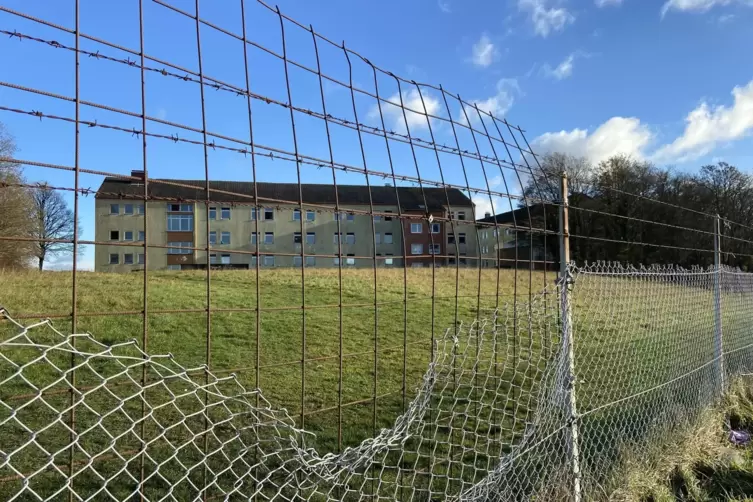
<point x="563" y="70"/>
<point x="546" y="19"/>
<point x="699" y="5"/>
<point x="393" y="113"/>
<point x="484" y="53"/>
<point x="607" y="3"/>
<point x="507" y="90"/>
<point x="618" y="135"/>
<point x="492" y="205"/>
<point x="725" y="18"/>
<point x="708" y="126"/>
<point x="444" y="6"/>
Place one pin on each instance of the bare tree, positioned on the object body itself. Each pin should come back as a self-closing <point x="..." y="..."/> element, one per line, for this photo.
<point x="53" y="222"/>
<point x="15" y="207"/>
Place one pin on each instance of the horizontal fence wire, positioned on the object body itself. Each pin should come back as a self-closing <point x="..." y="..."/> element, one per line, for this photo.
<point x="431" y="365"/>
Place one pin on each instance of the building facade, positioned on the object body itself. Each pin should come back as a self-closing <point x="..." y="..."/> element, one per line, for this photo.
<point x="407" y="227"/>
<point x="518" y="239"/>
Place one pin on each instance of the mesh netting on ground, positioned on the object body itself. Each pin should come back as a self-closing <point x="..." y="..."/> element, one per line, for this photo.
<point x="490" y="421"/>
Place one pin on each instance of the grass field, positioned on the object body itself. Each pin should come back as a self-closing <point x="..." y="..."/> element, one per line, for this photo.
<point x="639" y="343"/>
<point x="233" y="334"/>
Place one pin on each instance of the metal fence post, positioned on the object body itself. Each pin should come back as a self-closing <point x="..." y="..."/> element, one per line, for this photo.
<point x="718" y="341"/>
<point x="567" y="339"/>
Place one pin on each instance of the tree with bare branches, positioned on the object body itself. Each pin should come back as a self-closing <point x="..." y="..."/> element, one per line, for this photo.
<point x="53" y="224"/>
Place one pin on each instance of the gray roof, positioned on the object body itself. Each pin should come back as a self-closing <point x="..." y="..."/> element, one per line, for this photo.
<point x="411" y="198"/>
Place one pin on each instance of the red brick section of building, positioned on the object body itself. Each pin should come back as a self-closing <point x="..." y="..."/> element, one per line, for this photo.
<point x="425" y="238"/>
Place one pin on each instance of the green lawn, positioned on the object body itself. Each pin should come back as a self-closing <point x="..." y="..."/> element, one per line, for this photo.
<point x="642" y="356"/>
<point x="400" y="334"/>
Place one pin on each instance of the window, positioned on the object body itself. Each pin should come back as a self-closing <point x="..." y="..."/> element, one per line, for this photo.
<point x="225" y="213"/>
<point x="463" y="261"/>
<point x="509" y="231"/>
<point x="127" y="235"/>
<point x="310" y="238"/>
<point x="416" y="228"/>
<point x="114" y="258"/>
<point x="128" y="209"/>
<point x="350" y="238"/>
<point x="311" y="261"/>
<point x="179" y="248"/>
<point x="253" y="237"/>
<point x="128" y="259"/>
<point x="225" y="259"/>
<point x="451" y="239"/>
<point x="435" y="228"/>
<point x="343" y="216"/>
<point x="173" y="267"/>
<point x="269" y="214"/>
<point x="377" y="238"/>
<point x="114" y="209"/>
<point x="269" y="238"/>
<point x="212" y="213"/>
<point x="140" y="209"/>
<point x="142" y="259"/>
<point x="461" y="238"/>
<point x="349" y="260"/>
<point x="180" y="208"/>
<point x="296" y="237"/>
<point x="416" y="249"/>
<point x="225" y="238"/>
<point x="435" y="249"/>
<point x="336" y="261"/>
<point x="296" y="215"/>
<point x="335" y="239"/>
<point x="377" y="217"/>
<point x="297" y="261"/>
<point x="388" y="238"/>
<point x="212" y="258"/>
<point x="179" y="222"/>
<point x="388" y="218"/>
<point x="213" y="237"/>
<point x="253" y="213"/>
<point x="142" y="235"/>
<point x="310" y="216"/>
<point x="253" y="261"/>
<point x="388" y="260"/>
<point x="461" y="215"/>
<point x="114" y="235"/>
<point x="269" y="260"/>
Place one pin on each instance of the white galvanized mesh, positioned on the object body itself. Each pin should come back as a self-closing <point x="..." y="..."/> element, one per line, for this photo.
<point x="645" y="358"/>
<point x="478" y="427"/>
<point x="492" y="419"/>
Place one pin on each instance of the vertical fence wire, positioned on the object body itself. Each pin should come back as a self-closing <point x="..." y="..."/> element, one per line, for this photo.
<point x="145" y="317"/>
<point x="302" y="216"/>
<point x="74" y="286"/>
<point x="208" y="359"/>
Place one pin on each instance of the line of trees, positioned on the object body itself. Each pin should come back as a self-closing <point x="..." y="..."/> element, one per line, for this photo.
<point x="632" y="211"/>
<point x="32" y="218"/>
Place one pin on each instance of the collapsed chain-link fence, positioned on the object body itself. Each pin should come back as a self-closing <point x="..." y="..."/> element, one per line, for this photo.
<point x="483" y="425"/>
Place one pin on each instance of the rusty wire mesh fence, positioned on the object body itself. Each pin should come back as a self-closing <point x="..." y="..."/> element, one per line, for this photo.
<point x="303" y="236"/>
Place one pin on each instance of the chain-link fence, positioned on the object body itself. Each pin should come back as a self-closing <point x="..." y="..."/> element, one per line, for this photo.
<point x="645" y="365"/>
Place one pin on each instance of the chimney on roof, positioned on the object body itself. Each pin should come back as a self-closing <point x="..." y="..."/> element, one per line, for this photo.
<point x="137" y="174"/>
<point x="487" y="214"/>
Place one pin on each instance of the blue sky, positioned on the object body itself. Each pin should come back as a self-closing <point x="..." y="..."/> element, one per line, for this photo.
<point x="669" y="81"/>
